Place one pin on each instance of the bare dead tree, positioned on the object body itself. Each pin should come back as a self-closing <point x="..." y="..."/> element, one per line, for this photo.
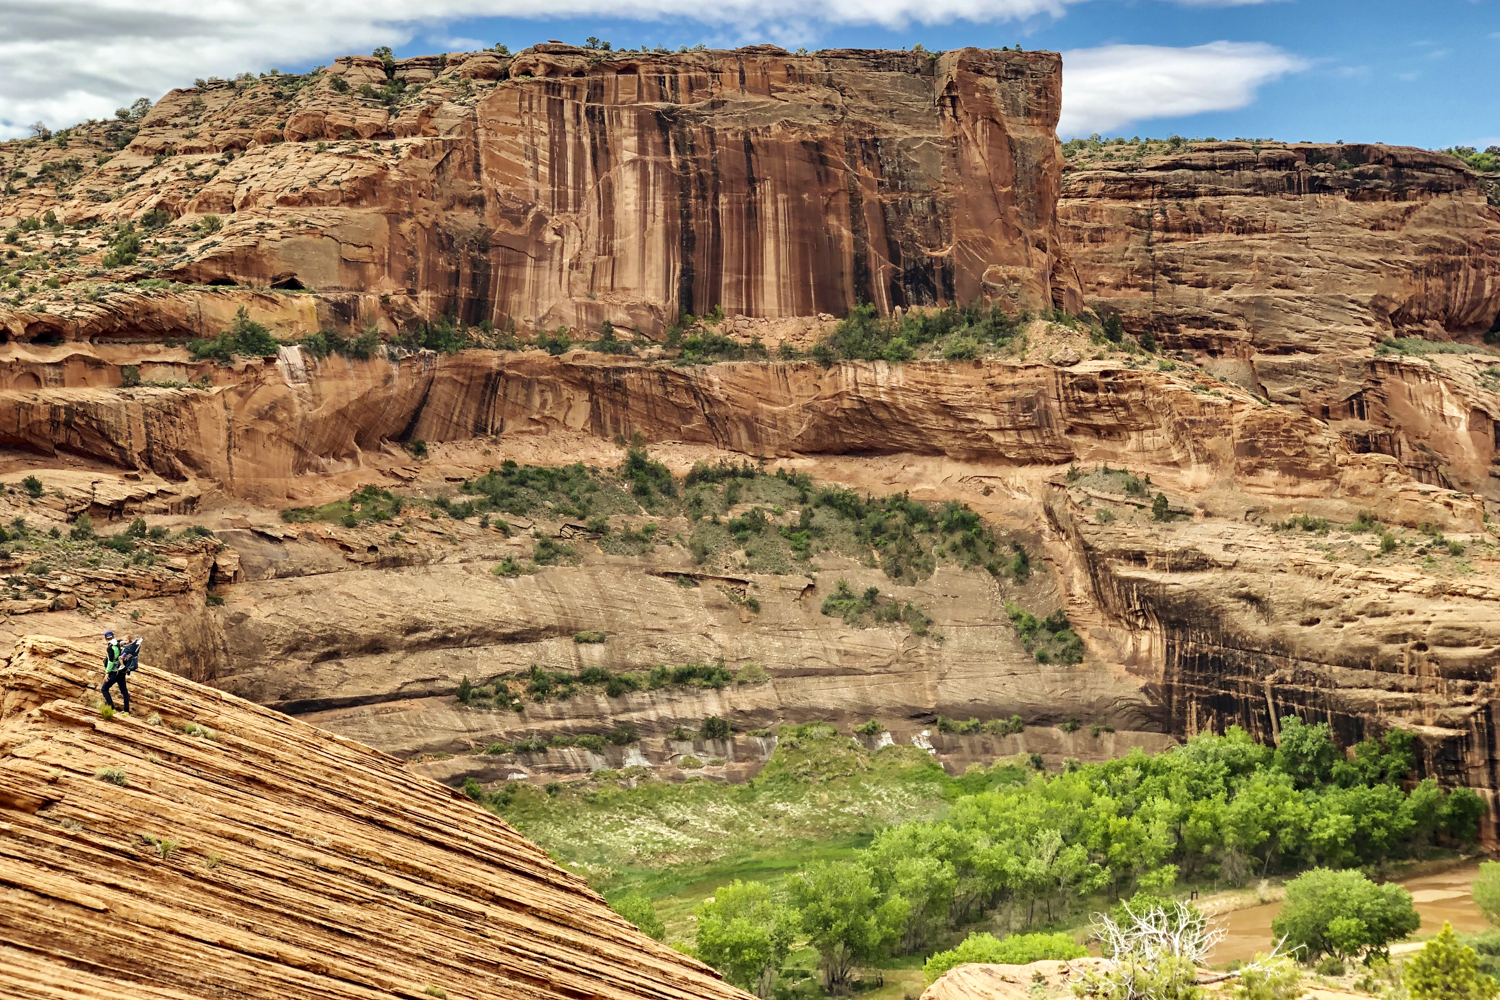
<point x="1171" y="941"/>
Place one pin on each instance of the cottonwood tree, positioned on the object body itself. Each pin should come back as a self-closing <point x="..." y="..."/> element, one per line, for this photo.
<point x="844" y="918"/>
<point x="745" y="934"/>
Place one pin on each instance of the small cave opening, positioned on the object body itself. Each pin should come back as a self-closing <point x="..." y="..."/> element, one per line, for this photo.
<point x="50" y="338"/>
<point x="222" y="282"/>
<point x="288" y="282"/>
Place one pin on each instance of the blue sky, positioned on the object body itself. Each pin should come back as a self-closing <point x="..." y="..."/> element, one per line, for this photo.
<point x="1418" y="73"/>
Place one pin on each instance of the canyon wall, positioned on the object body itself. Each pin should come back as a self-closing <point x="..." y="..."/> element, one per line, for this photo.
<point x="272" y="423"/>
<point x="577" y="186"/>
<point x="564" y="187"/>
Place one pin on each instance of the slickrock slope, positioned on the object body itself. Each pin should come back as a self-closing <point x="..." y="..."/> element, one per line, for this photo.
<point x="566" y="187"/>
<point x="209" y="847"/>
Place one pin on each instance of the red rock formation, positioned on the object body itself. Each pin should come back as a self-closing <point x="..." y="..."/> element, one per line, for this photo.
<point x="1272" y="254"/>
<point x="575" y="186"/>
<point x="207" y="846"/>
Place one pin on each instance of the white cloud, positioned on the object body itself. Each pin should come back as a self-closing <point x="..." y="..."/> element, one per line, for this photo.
<point x="1106" y="88"/>
<point x="62" y="61"/>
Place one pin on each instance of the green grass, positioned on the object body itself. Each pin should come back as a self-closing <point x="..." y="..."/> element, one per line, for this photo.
<point x="819" y="789"/>
<point x="822" y="796"/>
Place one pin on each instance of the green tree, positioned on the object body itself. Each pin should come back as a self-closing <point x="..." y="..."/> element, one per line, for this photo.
<point x="1447" y="970"/>
<point x="1343" y="913"/>
<point x="1306" y="752"/>
<point x="1017" y="949"/>
<point x="745" y="934"/>
<point x="844" y="918"/>
<point x="1460" y="814"/>
<point x="640" y="911"/>
<point x="1114" y="328"/>
<point x="1487" y="891"/>
<point x="1160" y="509"/>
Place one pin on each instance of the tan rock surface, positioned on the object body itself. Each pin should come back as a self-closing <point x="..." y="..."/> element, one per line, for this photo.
<point x="301" y="864"/>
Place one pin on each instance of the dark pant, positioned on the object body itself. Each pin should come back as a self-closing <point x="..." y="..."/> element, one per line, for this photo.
<point x="116" y="678"/>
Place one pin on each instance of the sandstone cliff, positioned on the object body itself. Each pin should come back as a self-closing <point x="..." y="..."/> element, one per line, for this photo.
<point x="567" y="187"/>
<point x="209" y="846"/>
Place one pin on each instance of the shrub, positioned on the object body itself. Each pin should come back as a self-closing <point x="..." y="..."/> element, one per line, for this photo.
<point x="1387" y="543"/>
<point x="113" y="775"/>
<point x="130" y="376"/>
<point x="417" y="448"/>
<point x="585" y="638"/>
<point x="1343" y="913"/>
<point x="83" y="529"/>
<point x="690" y="763"/>
<point x="640" y="911"/>
<point x="165" y="847"/>
<point x="33" y="486"/>
<point x="871" y="728"/>
<point x="1017" y="949"/>
<point x="1273" y="979"/>
<point x="715" y="728"/>
<point x="1114" y="328"/>
<point x="1447" y="970"/>
<point x="590" y="741"/>
<point x="1330" y="966"/>
<point x="549" y="553"/>
<point x="210" y="224"/>
<point x="244" y="337"/>
<point x="1050" y="639"/>
<point x="751" y="673"/>
<point x="508" y="567"/>
<point x="1486" y="890"/>
<point x="1160" y="510"/>
<point x="624" y="734"/>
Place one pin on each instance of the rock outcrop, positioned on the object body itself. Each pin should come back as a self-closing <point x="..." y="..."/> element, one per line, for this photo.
<point x="271" y="424"/>
<point x="568" y="187"/>
<point x="1286" y="257"/>
<point x="207" y="846"/>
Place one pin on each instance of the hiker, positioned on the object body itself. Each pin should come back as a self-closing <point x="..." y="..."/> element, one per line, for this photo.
<point x="114" y="671"/>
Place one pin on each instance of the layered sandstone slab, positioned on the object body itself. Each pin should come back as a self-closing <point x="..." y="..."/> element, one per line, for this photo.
<point x="233" y="851"/>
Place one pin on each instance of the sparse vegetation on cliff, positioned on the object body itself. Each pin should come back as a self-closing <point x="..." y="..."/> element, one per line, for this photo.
<point x="540" y="684"/>
<point x="955" y="333"/>
<point x="1050" y="639"/>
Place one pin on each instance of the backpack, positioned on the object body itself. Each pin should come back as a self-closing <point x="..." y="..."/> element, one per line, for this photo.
<point x="131" y="655"/>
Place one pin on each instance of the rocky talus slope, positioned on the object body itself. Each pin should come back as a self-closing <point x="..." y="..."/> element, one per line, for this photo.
<point x="209" y="847"/>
